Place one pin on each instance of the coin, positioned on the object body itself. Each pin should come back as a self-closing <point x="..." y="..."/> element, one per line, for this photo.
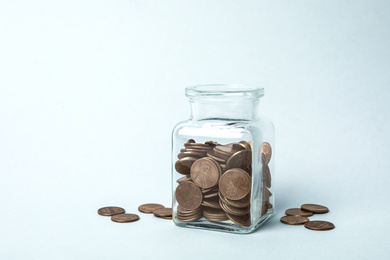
<point x="183" y="179"/>
<point x="319" y="225"/>
<point x="241" y="159"/>
<point x="266" y="152"/>
<point x="240" y="220"/>
<point x="264" y="207"/>
<point x="232" y="210"/>
<point x="248" y="145"/>
<point x="216" y="158"/>
<point x="123" y="218"/>
<point x="211" y="203"/>
<point x="314" y="208"/>
<point x="191" y="154"/>
<point x="183" y="165"/>
<point x="205" y="172"/>
<point x="298" y="212"/>
<point x="266" y="176"/>
<point x="188" y="195"/>
<point x="214" y="214"/>
<point x="210" y="194"/>
<point x="235" y="184"/>
<point x="190" y="141"/>
<point x="241" y="203"/>
<point x="294" y="220"/>
<point x="148" y="208"/>
<point x="163" y="212"/>
<point x="169" y="218"/>
<point x="110" y="211"/>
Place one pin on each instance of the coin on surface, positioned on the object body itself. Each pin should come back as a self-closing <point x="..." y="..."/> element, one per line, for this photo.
<point x="148" y="208"/>
<point x="266" y="153"/>
<point x="314" y="208"/>
<point x="235" y="184"/>
<point x="110" y="211"/>
<point x="205" y="172"/>
<point x="240" y="220"/>
<point x="294" y="220"/>
<point x="319" y="225"/>
<point x="163" y="212"/>
<point x="123" y="218"/>
<point x="188" y="195"/>
<point x="241" y="159"/>
<point x="183" y="165"/>
<point x="298" y="212"/>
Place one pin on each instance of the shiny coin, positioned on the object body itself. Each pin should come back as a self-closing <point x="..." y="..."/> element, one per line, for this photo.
<point x="188" y="195"/>
<point x="314" y="208"/>
<point x="319" y="225"/>
<point x="266" y="152"/>
<point x="266" y="176"/>
<point x="298" y="212"/>
<point x="110" y="211"/>
<point x="241" y="159"/>
<point x="248" y="145"/>
<point x="235" y="184"/>
<point x="163" y="212"/>
<point x="205" y="172"/>
<point x="294" y="220"/>
<point x="183" y="165"/>
<point x="240" y="220"/>
<point x="123" y="218"/>
<point x="148" y="208"/>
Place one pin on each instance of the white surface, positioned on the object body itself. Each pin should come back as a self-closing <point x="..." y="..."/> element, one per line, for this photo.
<point x="90" y="90"/>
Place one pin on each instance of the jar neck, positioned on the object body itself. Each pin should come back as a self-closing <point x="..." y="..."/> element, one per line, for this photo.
<point x="245" y="109"/>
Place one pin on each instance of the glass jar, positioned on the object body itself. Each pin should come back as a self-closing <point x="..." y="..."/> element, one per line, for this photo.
<point x="223" y="161"/>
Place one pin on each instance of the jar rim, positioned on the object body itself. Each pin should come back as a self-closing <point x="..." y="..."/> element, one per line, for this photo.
<point x="236" y="91"/>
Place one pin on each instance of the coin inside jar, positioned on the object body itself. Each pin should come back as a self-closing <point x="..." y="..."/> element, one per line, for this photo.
<point x="241" y="159"/>
<point x="188" y="195"/>
<point x="235" y="184"/>
<point x="183" y="165"/>
<point x="205" y="172"/>
<point x="266" y="152"/>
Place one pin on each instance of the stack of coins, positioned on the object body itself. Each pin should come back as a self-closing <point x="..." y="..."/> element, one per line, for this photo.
<point x="217" y="182"/>
<point x="266" y="153"/>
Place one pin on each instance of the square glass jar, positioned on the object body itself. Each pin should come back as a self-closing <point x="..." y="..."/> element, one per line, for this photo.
<point x="223" y="161"/>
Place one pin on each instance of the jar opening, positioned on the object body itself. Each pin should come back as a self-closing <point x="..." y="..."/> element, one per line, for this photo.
<point x="234" y="91"/>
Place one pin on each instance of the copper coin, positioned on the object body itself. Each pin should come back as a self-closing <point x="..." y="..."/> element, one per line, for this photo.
<point x="211" y="203"/>
<point x="248" y="145"/>
<point x="235" y="184"/>
<point x="110" y="211"/>
<point x="205" y="172"/>
<point x="314" y="208"/>
<point x="294" y="220"/>
<point x="266" y="176"/>
<point x="123" y="218"/>
<point x="319" y="225"/>
<point x="266" y="193"/>
<point x="183" y="179"/>
<point x="163" y="212"/>
<point x="183" y="165"/>
<point x="169" y="218"/>
<point x="264" y="207"/>
<point x="241" y="203"/>
<point x="214" y="214"/>
<point x="241" y="159"/>
<point x="148" y="208"/>
<point x="220" y="160"/>
<point x="188" y="195"/>
<point x="211" y="143"/>
<point x="184" y="211"/>
<point x="266" y="152"/>
<point x="234" y="211"/>
<point x="190" y="141"/>
<point x="298" y="212"/>
<point x="210" y="194"/>
<point x="190" y="218"/>
<point x="240" y="220"/>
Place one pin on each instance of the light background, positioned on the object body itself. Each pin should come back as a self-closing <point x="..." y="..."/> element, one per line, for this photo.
<point x="90" y="91"/>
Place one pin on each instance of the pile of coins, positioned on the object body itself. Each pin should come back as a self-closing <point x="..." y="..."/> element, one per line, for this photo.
<point x="217" y="181"/>
<point x="299" y="216"/>
<point x="266" y="154"/>
<point x="118" y="214"/>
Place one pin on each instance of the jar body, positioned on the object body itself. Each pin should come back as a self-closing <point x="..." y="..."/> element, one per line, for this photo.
<point x="222" y="170"/>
